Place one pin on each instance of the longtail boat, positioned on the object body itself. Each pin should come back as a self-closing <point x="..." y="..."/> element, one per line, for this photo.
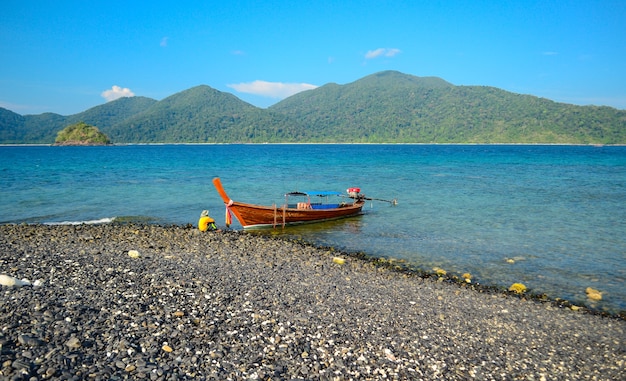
<point x="252" y="216"/>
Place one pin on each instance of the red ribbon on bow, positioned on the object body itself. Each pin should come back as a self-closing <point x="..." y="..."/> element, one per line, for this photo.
<point x="229" y="216"/>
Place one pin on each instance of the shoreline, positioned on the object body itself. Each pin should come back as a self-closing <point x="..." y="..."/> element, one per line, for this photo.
<point x="403" y="268"/>
<point x="233" y="305"/>
<point x="397" y="265"/>
<point x="597" y="145"/>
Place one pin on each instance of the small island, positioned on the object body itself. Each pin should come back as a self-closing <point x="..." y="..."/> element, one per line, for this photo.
<point x="81" y="134"/>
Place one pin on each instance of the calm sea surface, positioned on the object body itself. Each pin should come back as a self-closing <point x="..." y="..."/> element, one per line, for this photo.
<point x="551" y="217"/>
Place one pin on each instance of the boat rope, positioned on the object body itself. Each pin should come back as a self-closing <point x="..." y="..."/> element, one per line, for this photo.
<point x="229" y="215"/>
<point x="284" y="214"/>
<point x="274" y="226"/>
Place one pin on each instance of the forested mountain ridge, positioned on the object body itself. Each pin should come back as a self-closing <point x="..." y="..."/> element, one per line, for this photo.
<point x="388" y="107"/>
<point x="391" y="106"/>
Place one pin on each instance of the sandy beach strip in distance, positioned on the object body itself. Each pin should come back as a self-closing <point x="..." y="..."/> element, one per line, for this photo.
<point x="106" y="302"/>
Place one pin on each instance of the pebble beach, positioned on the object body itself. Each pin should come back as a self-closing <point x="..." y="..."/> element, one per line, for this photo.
<point x="121" y="302"/>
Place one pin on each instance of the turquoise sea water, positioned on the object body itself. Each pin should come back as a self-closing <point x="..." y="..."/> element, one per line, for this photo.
<point x="557" y="212"/>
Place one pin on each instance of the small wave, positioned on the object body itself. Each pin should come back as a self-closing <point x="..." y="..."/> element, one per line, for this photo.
<point x="89" y="222"/>
<point x="137" y="219"/>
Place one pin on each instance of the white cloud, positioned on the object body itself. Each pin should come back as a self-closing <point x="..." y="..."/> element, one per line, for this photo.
<point x="271" y="89"/>
<point x="164" y="41"/>
<point x="384" y="52"/>
<point x="550" y="53"/>
<point x="117" y="92"/>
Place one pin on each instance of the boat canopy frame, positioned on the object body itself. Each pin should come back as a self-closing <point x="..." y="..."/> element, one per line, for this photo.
<point x="321" y="203"/>
<point x="314" y="193"/>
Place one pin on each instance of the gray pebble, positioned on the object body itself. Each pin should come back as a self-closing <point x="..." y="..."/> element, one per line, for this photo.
<point x="27" y="340"/>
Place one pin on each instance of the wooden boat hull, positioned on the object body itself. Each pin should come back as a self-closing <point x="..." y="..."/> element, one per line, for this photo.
<point x="252" y="216"/>
<point x="257" y="216"/>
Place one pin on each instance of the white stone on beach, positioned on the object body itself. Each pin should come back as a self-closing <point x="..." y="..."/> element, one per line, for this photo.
<point x="339" y="260"/>
<point x="7" y="280"/>
<point x="133" y="254"/>
<point x="389" y="355"/>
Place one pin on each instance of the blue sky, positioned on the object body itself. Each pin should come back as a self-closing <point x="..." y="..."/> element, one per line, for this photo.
<point x="68" y="56"/>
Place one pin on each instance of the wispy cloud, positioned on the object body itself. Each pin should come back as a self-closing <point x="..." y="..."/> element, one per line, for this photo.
<point x="277" y="90"/>
<point x="117" y="92"/>
<point x="164" y="41"/>
<point x="550" y="53"/>
<point x="381" y="52"/>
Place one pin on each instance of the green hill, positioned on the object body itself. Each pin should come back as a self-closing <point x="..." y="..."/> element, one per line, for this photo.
<point x="395" y="107"/>
<point x="43" y="128"/>
<point x="112" y="113"/>
<point x="11" y="127"/>
<point x="389" y="107"/>
<point x="201" y="115"/>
